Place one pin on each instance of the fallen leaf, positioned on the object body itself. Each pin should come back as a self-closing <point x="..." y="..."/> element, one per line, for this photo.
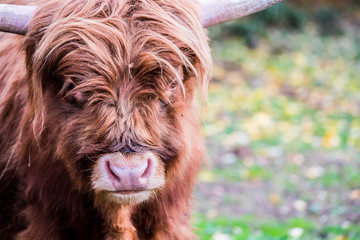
<point x="275" y="198"/>
<point x="354" y="194"/>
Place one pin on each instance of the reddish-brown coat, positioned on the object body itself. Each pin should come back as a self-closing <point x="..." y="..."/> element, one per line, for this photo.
<point x="133" y="69"/>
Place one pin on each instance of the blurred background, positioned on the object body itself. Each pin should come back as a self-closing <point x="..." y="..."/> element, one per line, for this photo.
<point x="282" y="126"/>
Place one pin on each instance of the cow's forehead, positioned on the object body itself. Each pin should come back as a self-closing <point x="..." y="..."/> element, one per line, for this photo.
<point x="108" y="54"/>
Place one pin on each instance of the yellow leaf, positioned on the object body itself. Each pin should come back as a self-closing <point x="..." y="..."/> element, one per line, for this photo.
<point x="354" y="194"/>
<point x="207" y="176"/>
<point x="342" y="238"/>
<point x="275" y="198"/>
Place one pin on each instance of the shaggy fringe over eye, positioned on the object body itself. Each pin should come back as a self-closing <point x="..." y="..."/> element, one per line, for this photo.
<point x="114" y="39"/>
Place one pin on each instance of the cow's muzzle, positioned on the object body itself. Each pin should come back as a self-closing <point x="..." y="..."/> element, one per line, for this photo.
<point x="128" y="178"/>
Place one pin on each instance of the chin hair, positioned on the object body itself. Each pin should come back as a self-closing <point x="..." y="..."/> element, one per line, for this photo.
<point x="113" y="198"/>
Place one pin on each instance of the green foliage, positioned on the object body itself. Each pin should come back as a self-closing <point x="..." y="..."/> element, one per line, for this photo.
<point x="328" y="21"/>
<point x="284" y="15"/>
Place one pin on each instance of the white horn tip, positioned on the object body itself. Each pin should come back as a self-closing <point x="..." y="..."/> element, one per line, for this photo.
<point x="214" y="12"/>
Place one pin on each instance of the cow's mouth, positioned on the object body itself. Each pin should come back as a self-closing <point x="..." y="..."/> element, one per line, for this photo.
<point x="127" y="192"/>
<point x="127" y="197"/>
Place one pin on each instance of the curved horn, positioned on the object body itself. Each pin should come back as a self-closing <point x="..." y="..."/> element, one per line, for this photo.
<point x="214" y="12"/>
<point x="14" y="18"/>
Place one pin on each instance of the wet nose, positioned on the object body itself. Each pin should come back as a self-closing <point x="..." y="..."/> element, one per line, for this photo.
<point x="130" y="176"/>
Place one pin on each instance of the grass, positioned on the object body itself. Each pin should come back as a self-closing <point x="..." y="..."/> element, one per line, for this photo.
<point x="294" y="228"/>
<point x="283" y="133"/>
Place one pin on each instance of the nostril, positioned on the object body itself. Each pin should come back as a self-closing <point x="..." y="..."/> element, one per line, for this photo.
<point x="112" y="173"/>
<point x="148" y="169"/>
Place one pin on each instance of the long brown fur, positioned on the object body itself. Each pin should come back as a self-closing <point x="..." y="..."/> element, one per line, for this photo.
<point x="89" y="78"/>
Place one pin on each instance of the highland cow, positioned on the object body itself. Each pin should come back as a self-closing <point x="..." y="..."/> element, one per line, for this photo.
<point x="99" y="135"/>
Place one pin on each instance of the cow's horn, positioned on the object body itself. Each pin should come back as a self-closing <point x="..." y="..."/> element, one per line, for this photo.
<point x="15" y="18"/>
<point x="218" y="11"/>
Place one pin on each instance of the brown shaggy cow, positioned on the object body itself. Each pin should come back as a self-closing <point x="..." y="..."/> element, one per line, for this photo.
<point x="99" y="136"/>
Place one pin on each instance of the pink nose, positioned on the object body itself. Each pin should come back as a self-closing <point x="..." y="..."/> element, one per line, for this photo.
<point x="130" y="177"/>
